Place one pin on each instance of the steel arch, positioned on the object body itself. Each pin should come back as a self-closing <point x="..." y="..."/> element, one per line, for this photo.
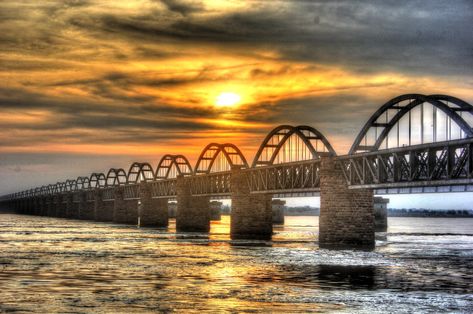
<point x="209" y="154"/>
<point x="51" y="189"/>
<point x="287" y="131"/>
<point x="116" y="177"/>
<point x="60" y="187"/>
<point x="82" y="183"/>
<point x="44" y="190"/>
<point x="415" y="100"/>
<point x="140" y="171"/>
<point x="97" y="180"/>
<point x="168" y="162"/>
<point x="71" y="185"/>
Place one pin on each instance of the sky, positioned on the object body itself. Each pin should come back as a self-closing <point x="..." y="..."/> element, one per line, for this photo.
<point x="87" y="85"/>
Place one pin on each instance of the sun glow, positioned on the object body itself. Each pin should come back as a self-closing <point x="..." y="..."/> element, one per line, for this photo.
<point x="227" y="100"/>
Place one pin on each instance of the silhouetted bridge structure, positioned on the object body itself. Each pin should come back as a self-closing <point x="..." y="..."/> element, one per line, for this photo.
<point x="412" y="144"/>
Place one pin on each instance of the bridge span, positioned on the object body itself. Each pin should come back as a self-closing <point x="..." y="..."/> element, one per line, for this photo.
<point x="413" y="144"/>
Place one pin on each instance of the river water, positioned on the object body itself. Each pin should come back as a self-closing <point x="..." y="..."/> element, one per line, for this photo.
<point x="50" y="265"/>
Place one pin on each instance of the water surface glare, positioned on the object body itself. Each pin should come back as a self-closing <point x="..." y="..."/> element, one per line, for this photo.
<point x="52" y="265"/>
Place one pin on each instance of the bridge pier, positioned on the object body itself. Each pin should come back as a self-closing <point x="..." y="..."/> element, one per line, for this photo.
<point x="102" y="210"/>
<point x="60" y="206"/>
<point x="172" y="209"/>
<point x="193" y="212"/>
<point x="152" y="212"/>
<point x="215" y="207"/>
<point x="81" y="205"/>
<point x="346" y="216"/>
<point x="278" y="207"/>
<point x="42" y="208"/>
<point x="25" y="206"/>
<point x="34" y="205"/>
<point x="124" y="211"/>
<point x="69" y="205"/>
<point x="31" y="206"/>
<point x="251" y="216"/>
<point x="51" y="211"/>
<point x="381" y="214"/>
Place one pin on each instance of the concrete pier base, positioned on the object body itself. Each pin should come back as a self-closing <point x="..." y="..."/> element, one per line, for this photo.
<point x="215" y="208"/>
<point x="172" y="209"/>
<point x="69" y="205"/>
<point x="43" y="206"/>
<point x="152" y="212"/>
<point x="381" y="214"/>
<point x="346" y="216"/>
<point x="60" y="206"/>
<point x="51" y="211"/>
<point x="251" y="215"/>
<point x="103" y="211"/>
<point x="74" y="210"/>
<point x="193" y="212"/>
<point x="124" y="211"/>
<point x="82" y="205"/>
<point x="278" y="208"/>
<point x="89" y="211"/>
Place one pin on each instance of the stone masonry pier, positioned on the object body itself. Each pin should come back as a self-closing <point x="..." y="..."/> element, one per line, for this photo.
<point x="346" y="216"/>
<point x="251" y="216"/>
<point x="193" y="212"/>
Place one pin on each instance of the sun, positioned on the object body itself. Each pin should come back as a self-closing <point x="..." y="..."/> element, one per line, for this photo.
<point x="227" y="99"/>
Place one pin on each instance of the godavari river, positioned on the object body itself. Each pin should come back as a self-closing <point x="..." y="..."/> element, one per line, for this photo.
<point x="50" y="265"/>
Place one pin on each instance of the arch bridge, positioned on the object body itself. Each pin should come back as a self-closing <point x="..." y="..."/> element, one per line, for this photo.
<point x="412" y="144"/>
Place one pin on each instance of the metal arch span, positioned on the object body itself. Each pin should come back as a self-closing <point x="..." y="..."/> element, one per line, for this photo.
<point x="278" y="137"/>
<point x="60" y="187"/>
<point x="97" y="180"/>
<point x="116" y="177"/>
<point x="140" y="171"/>
<point x="170" y="166"/>
<point x="82" y="183"/>
<point x="71" y="185"/>
<point x="440" y="102"/>
<point x="232" y="156"/>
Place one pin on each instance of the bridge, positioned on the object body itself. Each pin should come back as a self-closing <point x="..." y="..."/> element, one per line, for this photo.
<point x="412" y="144"/>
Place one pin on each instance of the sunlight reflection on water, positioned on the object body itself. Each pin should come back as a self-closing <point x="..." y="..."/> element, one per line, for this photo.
<point x="58" y="265"/>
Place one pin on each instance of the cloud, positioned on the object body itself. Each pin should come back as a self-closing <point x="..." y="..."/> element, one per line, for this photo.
<point x="139" y="78"/>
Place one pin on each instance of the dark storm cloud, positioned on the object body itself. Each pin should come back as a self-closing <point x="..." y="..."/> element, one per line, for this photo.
<point x="144" y="117"/>
<point x="182" y="7"/>
<point x="407" y="36"/>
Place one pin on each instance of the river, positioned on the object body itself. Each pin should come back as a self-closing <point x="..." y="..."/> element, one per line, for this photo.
<point x="50" y="265"/>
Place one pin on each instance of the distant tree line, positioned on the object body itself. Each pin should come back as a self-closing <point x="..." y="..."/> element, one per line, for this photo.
<point x="422" y="212"/>
<point x="392" y="212"/>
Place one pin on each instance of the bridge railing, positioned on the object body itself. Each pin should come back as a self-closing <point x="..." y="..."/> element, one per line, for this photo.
<point x="90" y="195"/>
<point x="435" y="164"/>
<point x="163" y="188"/>
<point x="108" y="194"/>
<point x="285" y="178"/>
<point x="132" y="191"/>
<point x="215" y="184"/>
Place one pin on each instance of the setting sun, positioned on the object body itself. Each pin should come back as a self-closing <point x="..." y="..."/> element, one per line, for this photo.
<point x="227" y="99"/>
